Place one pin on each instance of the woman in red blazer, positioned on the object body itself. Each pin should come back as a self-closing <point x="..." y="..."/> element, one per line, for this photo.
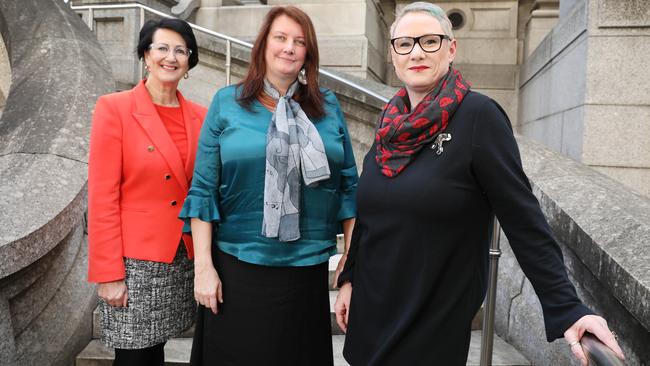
<point x="142" y="149"/>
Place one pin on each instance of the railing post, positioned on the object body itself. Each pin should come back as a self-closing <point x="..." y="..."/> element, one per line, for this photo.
<point x="142" y="14"/>
<point x="487" y="340"/>
<point x="91" y="18"/>
<point x="228" y="59"/>
<point x="141" y="62"/>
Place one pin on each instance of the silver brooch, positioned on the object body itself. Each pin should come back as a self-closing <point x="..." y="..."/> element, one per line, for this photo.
<point x="437" y="145"/>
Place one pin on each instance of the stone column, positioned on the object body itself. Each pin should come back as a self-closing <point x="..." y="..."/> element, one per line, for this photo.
<point x="542" y="20"/>
<point x="617" y="113"/>
<point x="586" y="91"/>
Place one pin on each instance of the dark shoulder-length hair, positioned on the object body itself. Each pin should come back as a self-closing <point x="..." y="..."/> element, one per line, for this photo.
<point x="309" y="96"/>
<point x="177" y="25"/>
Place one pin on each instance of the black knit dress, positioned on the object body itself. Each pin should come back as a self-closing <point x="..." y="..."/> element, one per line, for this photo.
<point x="419" y="254"/>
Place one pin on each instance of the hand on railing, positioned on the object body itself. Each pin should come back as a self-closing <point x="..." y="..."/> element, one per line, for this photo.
<point x="598" y="353"/>
<point x="593" y="330"/>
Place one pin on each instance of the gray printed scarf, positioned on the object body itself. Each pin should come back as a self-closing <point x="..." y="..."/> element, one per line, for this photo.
<point x="293" y="149"/>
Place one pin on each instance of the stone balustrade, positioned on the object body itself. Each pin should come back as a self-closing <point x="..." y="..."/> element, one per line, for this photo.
<point x="58" y="70"/>
<point x="603" y="229"/>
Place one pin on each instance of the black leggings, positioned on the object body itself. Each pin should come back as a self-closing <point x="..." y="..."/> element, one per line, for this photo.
<point x="150" y="356"/>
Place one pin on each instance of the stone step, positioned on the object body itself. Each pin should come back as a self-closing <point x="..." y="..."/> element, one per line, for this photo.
<point x="177" y="352"/>
<point x="503" y="353"/>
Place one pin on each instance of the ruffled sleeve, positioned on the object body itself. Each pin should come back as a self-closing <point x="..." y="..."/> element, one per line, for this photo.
<point x="202" y="200"/>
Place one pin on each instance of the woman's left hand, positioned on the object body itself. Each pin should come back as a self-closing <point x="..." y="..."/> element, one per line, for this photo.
<point x="597" y="326"/>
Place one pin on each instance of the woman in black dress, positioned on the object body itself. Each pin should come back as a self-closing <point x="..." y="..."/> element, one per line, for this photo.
<point x="444" y="162"/>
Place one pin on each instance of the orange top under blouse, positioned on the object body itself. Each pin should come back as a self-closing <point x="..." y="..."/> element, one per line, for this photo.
<point x="172" y="118"/>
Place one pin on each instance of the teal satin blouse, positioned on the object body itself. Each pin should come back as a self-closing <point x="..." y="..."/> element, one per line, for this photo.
<point x="228" y="185"/>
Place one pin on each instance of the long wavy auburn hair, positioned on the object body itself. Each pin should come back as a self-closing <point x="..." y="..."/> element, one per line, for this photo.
<point x="309" y="96"/>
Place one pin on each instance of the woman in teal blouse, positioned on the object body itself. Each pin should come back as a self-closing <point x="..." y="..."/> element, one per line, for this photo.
<point x="274" y="182"/>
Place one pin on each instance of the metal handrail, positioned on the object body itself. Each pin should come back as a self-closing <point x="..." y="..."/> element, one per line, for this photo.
<point x="598" y="353"/>
<point x="229" y="41"/>
<point x="487" y="339"/>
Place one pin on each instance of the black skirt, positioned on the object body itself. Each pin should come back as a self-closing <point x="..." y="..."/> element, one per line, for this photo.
<point x="270" y="316"/>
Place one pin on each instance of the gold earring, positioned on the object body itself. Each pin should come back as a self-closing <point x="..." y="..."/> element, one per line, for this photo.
<point x="186" y="76"/>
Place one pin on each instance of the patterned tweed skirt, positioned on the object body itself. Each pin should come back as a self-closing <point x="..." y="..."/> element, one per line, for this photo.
<point x="160" y="306"/>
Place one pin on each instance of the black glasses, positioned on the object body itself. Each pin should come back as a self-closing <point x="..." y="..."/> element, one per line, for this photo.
<point x="427" y="42"/>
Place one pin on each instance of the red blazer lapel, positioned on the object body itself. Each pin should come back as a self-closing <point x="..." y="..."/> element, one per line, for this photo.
<point x="192" y="129"/>
<point x="147" y="116"/>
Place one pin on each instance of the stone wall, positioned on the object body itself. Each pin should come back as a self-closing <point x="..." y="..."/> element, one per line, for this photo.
<point x="58" y="71"/>
<point x="584" y="91"/>
<point x="617" y="116"/>
<point x="603" y="230"/>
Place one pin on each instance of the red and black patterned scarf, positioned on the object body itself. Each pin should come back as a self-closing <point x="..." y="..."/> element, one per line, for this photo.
<point x="402" y="133"/>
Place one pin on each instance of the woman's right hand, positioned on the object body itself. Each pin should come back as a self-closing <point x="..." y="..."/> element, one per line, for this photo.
<point x="207" y="287"/>
<point x="114" y="293"/>
<point x="342" y="306"/>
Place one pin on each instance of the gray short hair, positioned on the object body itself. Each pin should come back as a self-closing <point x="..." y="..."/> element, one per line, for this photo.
<point x="427" y="8"/>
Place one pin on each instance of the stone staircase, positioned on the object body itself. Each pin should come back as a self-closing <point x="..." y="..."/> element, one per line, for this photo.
<point x="177" y="350"/>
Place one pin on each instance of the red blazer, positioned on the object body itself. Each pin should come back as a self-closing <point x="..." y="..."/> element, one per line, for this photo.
<point x="136" y="182"/>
